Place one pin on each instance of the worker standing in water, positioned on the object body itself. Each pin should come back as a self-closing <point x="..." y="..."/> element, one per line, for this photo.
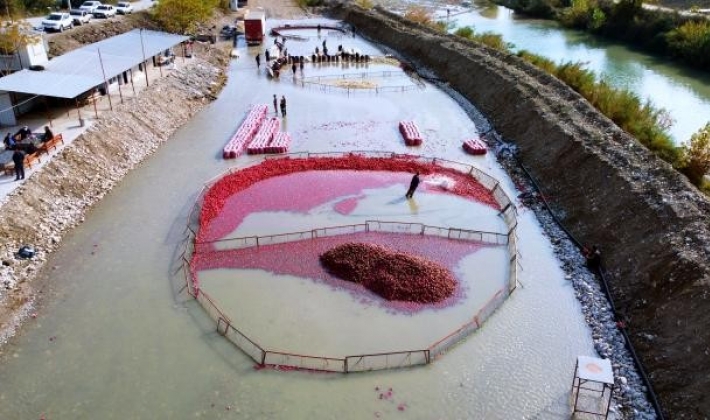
<point x="413" y="186"/>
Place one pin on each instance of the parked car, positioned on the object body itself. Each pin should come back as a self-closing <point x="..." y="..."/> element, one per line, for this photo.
<point x="58" y="22"/>
<point x="79" y="16"/>
<point x="124" y="8"/>
<point x="90" y="6"/>
<point x="105" y="11"/>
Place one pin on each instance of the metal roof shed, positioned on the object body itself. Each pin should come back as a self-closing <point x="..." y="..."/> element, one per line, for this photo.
<point x="81" y="70"/>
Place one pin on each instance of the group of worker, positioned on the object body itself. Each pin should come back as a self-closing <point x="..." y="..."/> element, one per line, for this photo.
<point x="281" y="104"/>
<point x="319" y="56"/>
<point x="21" y="143"/>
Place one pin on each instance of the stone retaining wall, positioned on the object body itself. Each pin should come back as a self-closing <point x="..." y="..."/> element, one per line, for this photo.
<point x="652" y="225"/>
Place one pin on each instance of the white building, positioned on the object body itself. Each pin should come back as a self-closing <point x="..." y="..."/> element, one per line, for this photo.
<point x="26" y="56"/>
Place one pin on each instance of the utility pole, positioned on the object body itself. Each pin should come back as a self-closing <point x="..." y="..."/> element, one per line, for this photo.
<point x="108" y="93"/>
<point x="145" y="64"/>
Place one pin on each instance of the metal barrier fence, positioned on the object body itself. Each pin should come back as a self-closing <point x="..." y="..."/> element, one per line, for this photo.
<point x="320" y="82"/>
<point x="492" y="238"/>
<point x="364" y="362"/>
<point x="362" y="75"/>
<point x="299" y="361"/>
<point x="391" y="360"/>
<point x="358" y="90"/>
<point x="442" y="345"/>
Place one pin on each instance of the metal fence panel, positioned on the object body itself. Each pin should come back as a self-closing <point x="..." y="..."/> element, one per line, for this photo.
<point x="395" y="227"/>
<point x="229" y="243"/>
<point x="339" y="230"/>
<point x="327" y="364"/>
<point x="441" y="346"/>
<point x="383" y="361"/>
<point x="242" y="342"/>
<point x="285" y="237"/>
<point x="438" y="231"/>
<point x="501" y="197"/>
<point x="491" y="306"/>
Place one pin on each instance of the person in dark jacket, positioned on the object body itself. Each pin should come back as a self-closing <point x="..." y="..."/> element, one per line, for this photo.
<point x="413" y="186"/>
<point x="593" y="257"/>
<point x="283" y="106"/>
<point x="48" y="135"/>
<point x="18" y="158"/>
<point x="9" y="141"/>
<point x="24" y="133"/>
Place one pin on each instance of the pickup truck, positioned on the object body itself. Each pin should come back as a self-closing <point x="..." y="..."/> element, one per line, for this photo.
<point x="90" y="6"/>
<point x="79" y="16"/>
<point x="105" y="11"/>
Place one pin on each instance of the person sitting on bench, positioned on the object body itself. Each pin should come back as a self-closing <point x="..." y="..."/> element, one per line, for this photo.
<point x="24" y="133"/>
<point x="9" y="141"/>
<point x="48" y="135"/>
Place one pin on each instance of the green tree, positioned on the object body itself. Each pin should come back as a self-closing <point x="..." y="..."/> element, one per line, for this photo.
<point x="184" y="16"/>
<point x="696" y="156"/>
<point x="34" y="7"/>
<point x="11" y="9"/>
<point x="691" y="41"/>
<point x="13" y="35"/>
<point x="598" y="19"/>
<point x="578" y="15"/>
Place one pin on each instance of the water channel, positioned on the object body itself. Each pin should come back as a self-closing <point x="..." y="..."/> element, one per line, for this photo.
<point x="683" y="92"/>
<point x="117" y="340"/>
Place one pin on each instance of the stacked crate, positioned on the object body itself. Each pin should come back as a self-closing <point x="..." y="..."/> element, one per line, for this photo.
<point x="246" y="131"/>
<point x="410" y="132"/>
<point x="474" y="146"/>
<point x="263" y="137"/>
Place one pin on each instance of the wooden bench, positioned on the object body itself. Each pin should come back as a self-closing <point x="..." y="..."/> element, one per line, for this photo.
<point x="30" y="160"/>
<point x="51" y="144"/>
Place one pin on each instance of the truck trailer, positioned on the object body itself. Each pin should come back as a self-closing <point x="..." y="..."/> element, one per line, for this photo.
<point x="254" y="26"/>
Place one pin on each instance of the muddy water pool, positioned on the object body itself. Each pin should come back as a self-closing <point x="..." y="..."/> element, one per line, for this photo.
<point x="116" y="339"/>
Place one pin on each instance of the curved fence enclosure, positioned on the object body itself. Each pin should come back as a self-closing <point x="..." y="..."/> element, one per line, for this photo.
<point x="361" y="362"/>
<point x="329" y="83"/>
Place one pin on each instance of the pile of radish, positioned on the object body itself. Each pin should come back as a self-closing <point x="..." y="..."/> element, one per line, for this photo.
<point x="395" y="276"/>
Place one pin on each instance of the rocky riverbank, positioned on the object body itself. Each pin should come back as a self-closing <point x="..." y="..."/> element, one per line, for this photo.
<point x="605" y="187"/>
<point x="56" y="198"/>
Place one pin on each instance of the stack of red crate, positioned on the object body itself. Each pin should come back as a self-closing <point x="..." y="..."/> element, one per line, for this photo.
<point x="245" y="132"/>
<point x="410" y="132"/>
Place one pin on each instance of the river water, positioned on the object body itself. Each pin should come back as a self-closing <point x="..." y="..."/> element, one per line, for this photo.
<point x="683" y="92"/>
<point x="117" y="340"/>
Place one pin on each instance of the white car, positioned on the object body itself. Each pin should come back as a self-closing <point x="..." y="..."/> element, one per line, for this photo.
<point x="90" y="6"/>
<point x="105" y="11"/>
<point x="124" y="8"/>
<point x="80" y="17"/>
<point x="58" y="22"/>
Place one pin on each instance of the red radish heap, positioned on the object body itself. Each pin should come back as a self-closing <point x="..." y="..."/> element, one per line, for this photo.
<point x="393" y="275"/>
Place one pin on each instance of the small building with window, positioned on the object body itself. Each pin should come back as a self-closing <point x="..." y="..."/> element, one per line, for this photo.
<point x="18" y="57"/>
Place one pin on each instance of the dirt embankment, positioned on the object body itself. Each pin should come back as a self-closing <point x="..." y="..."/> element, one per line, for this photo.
<point x="652" y="225"/>
<point x="55" y="198"/>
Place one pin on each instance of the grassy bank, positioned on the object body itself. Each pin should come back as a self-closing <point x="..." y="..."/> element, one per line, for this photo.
<point x="648" y="124"/>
